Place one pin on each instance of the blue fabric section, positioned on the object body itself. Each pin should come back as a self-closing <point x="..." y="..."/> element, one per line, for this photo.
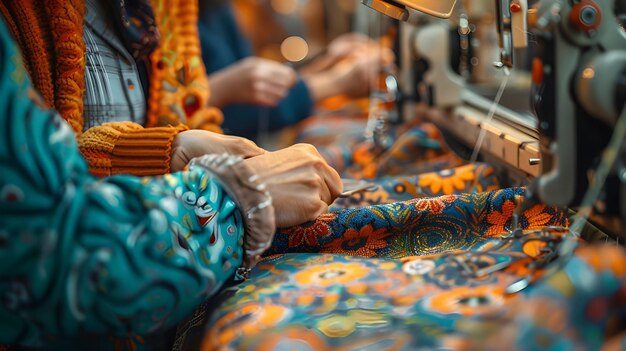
<point x="223" y="44"/>
<point x="222" y="41"/>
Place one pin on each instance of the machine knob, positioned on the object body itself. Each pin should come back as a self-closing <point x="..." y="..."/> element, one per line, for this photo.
<point x="586" y="15"/>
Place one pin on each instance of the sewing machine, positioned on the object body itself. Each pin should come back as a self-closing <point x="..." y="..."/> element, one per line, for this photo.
<point x="577" y="92"/>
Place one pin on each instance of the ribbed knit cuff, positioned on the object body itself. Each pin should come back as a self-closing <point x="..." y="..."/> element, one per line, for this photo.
<point x="144" y="152"/>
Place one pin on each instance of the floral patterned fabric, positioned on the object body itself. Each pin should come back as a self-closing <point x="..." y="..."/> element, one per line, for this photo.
<point x="338" y="302"/>
<point x="470" y="178"/>
<point x="418" y="147"/>
<point x="425" y="274"/>
<point x="417" y="227"/>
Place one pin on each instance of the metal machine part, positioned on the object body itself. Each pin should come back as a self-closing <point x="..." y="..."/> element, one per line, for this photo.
<point x="352" y="186"/>
<point x="511" y="15"/>
<point x="441" y="86"/>
<point x="402" y="9"/>
<point x="579" y="89"/>
<point x="598" y="85"/>
<point x="512" y="28"/>
<point x="576" y="92"/>
<point x="428" y="75"/>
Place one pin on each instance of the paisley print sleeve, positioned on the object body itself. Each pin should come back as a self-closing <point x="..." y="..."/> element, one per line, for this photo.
<point x="85" y="255"/>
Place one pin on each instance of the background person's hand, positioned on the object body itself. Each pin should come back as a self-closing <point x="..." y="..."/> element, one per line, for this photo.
<point x="340" y="48"/>
<point x="301" y="183"/>
<point x="346" y="44"/>
<point x="195" y="143"/>
<point x="353" y="76"/>
<point x="252" y="80"/>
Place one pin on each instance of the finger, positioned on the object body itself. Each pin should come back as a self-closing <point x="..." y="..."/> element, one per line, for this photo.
<point x="332" y="180"/>
<point x="324" y="189"/>
<point x="272" y="71"/>
<point x="388" y="57"/>
<point x="271" y="87"/>
<point x="177" y="163"/>
<point x="321" y="209"/>
<point x="284" y="219"/>
<point x="333" y="183"/>
<point x="278" y="72"/>
<point x="268" y="94"/>
<point x="284" y="77"/>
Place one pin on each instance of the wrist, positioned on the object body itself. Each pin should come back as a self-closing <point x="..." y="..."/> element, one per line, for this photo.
<point x="241" y="183"/>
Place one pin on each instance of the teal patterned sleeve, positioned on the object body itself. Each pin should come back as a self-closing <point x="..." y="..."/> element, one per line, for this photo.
<point x="106" y="256"/>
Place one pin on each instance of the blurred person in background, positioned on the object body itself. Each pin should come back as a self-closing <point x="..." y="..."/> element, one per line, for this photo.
<point x="248" y="88"/>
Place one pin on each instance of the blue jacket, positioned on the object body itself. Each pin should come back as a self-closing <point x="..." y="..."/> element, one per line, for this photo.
<point x="222" y="45"/>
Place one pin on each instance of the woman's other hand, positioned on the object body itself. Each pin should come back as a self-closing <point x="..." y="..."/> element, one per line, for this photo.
<point x="195" y="143"/>
<point x="301" y="183"/>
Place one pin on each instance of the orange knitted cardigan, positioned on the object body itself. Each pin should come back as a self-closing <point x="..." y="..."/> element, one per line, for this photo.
<point x="50" y="35"/>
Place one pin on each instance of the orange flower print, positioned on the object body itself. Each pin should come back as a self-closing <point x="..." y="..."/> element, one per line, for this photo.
<point x="435" y="204"/>
<point x="498" y="220"/>
<point x="534" y="218"/>
<point x="537" y="217"/>
<point x="247" y="320"/>
<point x="467" y="301"/>
<point x="364" y="155"/>
<point x="361" y="242"/>
<point x="448" y="181"/>
<point x="309" y="233"/>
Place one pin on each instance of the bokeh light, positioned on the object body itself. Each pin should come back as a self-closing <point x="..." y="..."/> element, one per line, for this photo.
<point x="294" y="48"/>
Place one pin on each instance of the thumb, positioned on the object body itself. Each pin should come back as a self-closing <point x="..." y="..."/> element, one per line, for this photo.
<point x="178" y="160"/>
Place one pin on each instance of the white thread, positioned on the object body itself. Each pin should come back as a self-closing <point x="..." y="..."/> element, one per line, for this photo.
<point x="492" y="112"/>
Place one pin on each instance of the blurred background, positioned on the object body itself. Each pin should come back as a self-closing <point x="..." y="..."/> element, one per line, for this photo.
<point x="294" y="30"/>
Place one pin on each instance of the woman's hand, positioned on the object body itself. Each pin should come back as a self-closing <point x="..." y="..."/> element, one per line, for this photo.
<point x="301" y="183"/>
<point x="252" y="80"/>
